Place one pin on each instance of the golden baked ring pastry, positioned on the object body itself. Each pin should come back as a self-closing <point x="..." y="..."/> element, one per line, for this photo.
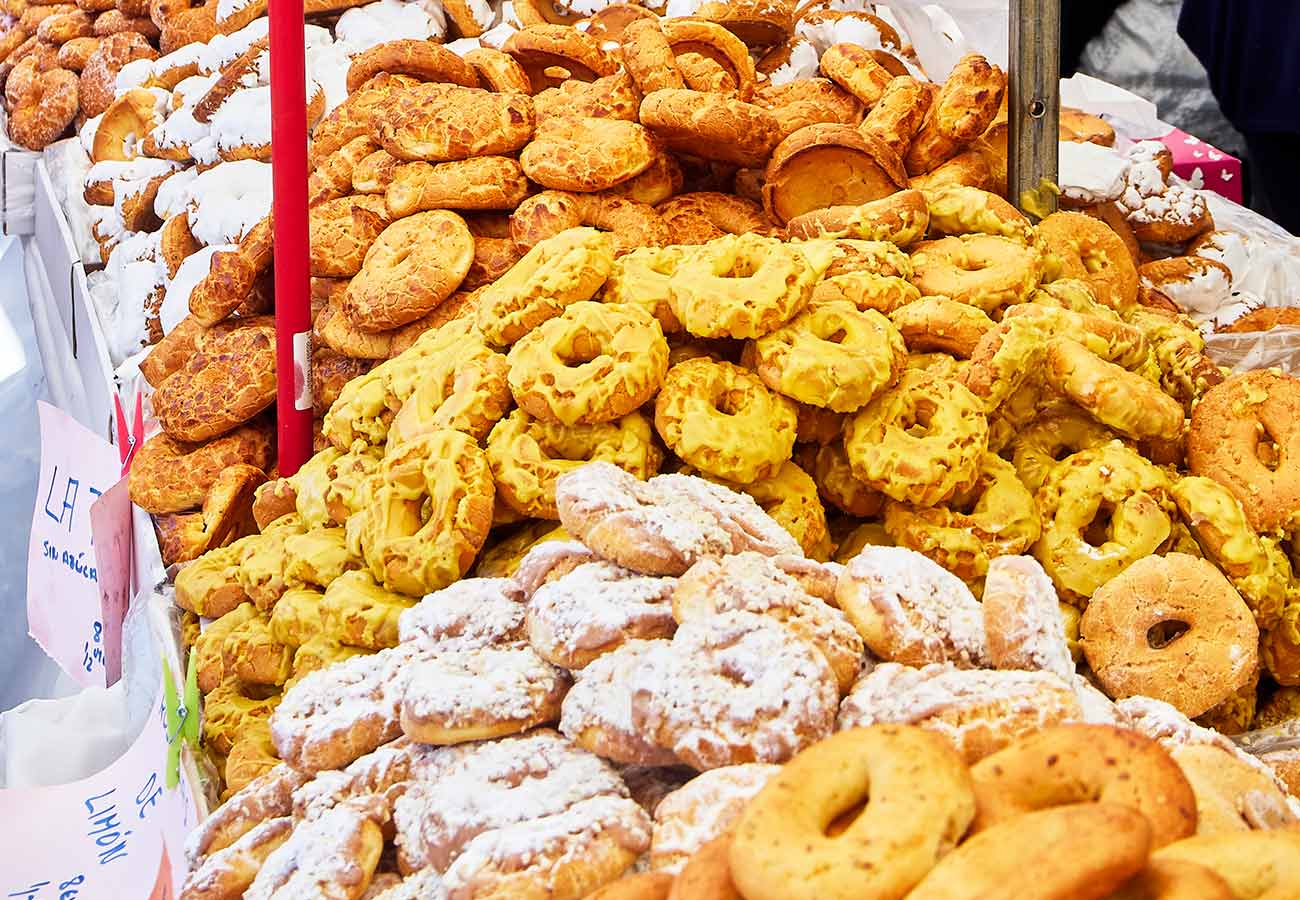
<point x="780" y="839"/>
<point x="560" y="155"/>
<point x="649" y="59"/>
<point x="593" y="363"/>
<point x="1244" y="435"/>
<point x="828" y="164"/>
<point x="925" y="468"/>
<point x="436" y="122"/>
<point x="527" y="455"/>
<point x="1103" y="509"/>
<point x="790" y="497"/>
<point x="726" y="59"/>
<point x="854" y="68"/>
<point x="1131" y="649"/>
<point x="413" y="266"/>
<point x="956" y="209"/>
<point x="550" y="54"/>
<point x="898" y="115"/>
<point x="498" y="71"/>
<point x="940" y="325"/>
<point x="700" y="216"/>
<point x="45" y="110"/>
<point x="711" y="126"/>
<point x="980" y="269"/>
<point x="723" y="420"/>
<point x="901" y="219"/>
<point x="558" y="271"/>
<point x="421" y="59"/>
<point x="1106" y="265"/>
<point x="549" y="213"/>
<point x="1038" y="447"/>
<point x="832" y="355"/>
<point x="743" y="286"/>
<point x="483" y="182"/>
<point x="429" y="514"/>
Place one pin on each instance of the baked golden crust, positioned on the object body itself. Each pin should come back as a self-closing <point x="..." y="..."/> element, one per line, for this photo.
<point x="437" y="122"/>
<point x="420" y="59"/>
<point x="560" y="156"/>
<point x="828" y="165"/>
<point x="227" y="382"/>
<point x="712" y="126"/>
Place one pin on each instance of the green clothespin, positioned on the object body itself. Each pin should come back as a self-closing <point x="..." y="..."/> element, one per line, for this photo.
<point x="182" y="716"/>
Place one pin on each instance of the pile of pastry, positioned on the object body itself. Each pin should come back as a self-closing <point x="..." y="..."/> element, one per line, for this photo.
<point x="625" y="702"/>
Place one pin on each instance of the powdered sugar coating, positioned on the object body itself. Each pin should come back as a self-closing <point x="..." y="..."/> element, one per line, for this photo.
<point x="761" y="584"/>
<point x="733" y="688"/>
<point x="496" y="785"/>
<point x="596" y="607"/>
<point x="546" y="562"/>
<point x="468" y="614"/>
<point x="978" y="710"/>
<point x="320" y="859"/>
<point x="604" y="829"/>
<point x="1147" y="198"/>
<point x="337" y="714"/>
<point x="664" y="525"/>
<point x="597" y="711"/>
<point x="469" y="688"/>
<point x="909" y="609"/>
<point x="218" y="874"/>
<point x="1171" y="729"/>
<point x="384" y="773"/>
<point x="1097" y="707"/>
<point x="1022" y="618"/>
<point x="1203" y="290"/>
<point x="423" y="885"/>
<point x="701" y="810"/>
<point x="266" y="797"/>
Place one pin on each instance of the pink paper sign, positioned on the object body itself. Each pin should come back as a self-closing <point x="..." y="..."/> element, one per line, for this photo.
<point x="110" y="528"/>
<point x="63" y="601"/>
<point x="117" y="834"/>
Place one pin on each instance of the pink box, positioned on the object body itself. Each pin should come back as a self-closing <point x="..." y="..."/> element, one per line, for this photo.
<point x="1204" y="165"/>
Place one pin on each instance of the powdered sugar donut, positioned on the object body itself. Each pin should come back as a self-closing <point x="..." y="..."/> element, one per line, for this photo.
<point x="760" y="584"/>
<point x="597" y="711"/>
<point x="910" y="610"/>
<point x="733" y="688"/>
<point x="978" y="711"/>
<point x="1022" y="618"/>
<point x="332" y="857"/>
<point x="664" y="525"/>
<point x="495" y="785"/>
<point x="231" y="871"/>
<point x="564" y="856"/>
<point x="472" y="613"/>
<point x="547" y="562"/>
<point x="268" y="796"/>
<point x="473" y="695"/>
<point x="701" y="810"/>
<point x="595" y="608"/>
<point x="340" y="713"/>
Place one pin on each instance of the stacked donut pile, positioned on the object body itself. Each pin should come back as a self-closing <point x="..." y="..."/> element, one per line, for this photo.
<point x="60" y="61"/>
<point x="629" y="698"/>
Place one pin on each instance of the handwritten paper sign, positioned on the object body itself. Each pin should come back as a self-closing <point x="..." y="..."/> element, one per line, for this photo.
<point x="119" y="833"/>
<point x="64" y="611"/>
<point x="110" y="528"/>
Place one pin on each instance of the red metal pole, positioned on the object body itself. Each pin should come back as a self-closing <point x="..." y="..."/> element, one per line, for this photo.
<point x="289" y="208"/>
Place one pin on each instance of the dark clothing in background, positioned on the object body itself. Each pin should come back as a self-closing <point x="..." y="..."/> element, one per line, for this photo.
<point x="1081" y="21"/>
<point x="1251" y="51"/>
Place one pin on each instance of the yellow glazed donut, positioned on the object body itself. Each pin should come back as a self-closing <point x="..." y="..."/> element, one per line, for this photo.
<point x="743" y="286"/>
<point x="919" y="802"/>
<point x="983" y="270"/>
<point x="1037" y="448"/>
<point x="837" y="484"/>
<point x="723" y="420"/>
<point x="919" y="442"/>
<point x="956" y="209"/>
<point x="1085" y="764"/>
<point x="429" y="513"/>
<point x="593" y="363"/>
<point x="556" y="272"/>
<point x="642" y="277"/>
<point x="1171" y="628"/>
<point x="901" y="219"/>
<point x="867" y="290"/>
<point x="1252" y="562"/>
<point x="832" y="355"/>
<point x="1103" y="509"/>
<point x="1117" y="398"/>
<point x="1002" y="521"/>
<point x="462" y="388"/>
<point x="527" y="455"/>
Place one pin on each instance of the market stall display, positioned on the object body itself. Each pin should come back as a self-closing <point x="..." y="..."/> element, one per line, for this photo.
<point x="691" y="403"/>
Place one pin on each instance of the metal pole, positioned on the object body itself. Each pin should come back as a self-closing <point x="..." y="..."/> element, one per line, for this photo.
<point x="1034" y="104"/>
<point x="289" y="211"/>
